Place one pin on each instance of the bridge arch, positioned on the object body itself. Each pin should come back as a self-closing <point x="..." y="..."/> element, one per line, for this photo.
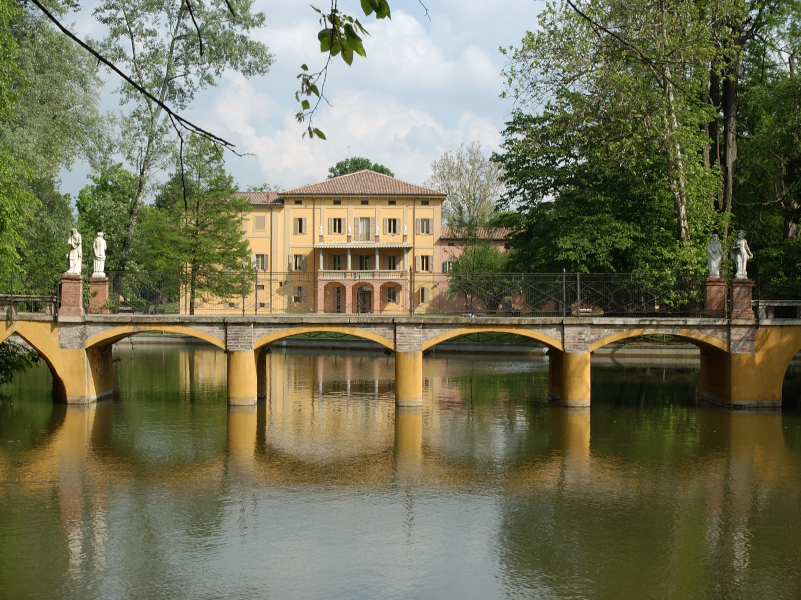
<point x="268" y="339"/>
<point x="775" y="348"/>
<point x="116" y="334"/>
<point x="42" y="336"/>
<point x="527" y="333"/>
<point x="696" y="338"/>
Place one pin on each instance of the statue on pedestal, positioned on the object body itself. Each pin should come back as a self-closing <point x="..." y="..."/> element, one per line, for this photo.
<point x="321" y="230"/>
<point x="740" y="253"/>
<point x="405" y="230"/>
<point x="714" y="254"/>
<point x="75" y="255"/>
<point x="377" y="232"/>
<point x="100" y="255"/>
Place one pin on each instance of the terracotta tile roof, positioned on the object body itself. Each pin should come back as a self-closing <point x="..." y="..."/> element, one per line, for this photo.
<point x="261" y="198"/>
<point x="362" y="183"/>
<point x="483" y="233"/>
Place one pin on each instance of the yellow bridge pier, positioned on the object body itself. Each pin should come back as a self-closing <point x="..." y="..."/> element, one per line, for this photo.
<point x="742" y="362"/>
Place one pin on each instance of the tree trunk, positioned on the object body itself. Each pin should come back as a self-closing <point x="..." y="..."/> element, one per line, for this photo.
<point x="729" y="106"/>
<point x="144" y="168"/>
<point x="713" y="128"/>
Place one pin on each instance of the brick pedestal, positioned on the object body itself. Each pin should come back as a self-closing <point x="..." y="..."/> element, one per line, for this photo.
<point x="715" y="298"/>
<point x="742" y="293"/>
<point x="71" y="296"/>
<point x="98" y="295"/>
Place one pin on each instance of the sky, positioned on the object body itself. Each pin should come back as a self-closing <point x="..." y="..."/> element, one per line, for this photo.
<point x="426" y="87"/>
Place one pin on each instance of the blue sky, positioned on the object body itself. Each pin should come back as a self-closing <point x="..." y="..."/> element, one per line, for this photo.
<point x="424" y="88"/>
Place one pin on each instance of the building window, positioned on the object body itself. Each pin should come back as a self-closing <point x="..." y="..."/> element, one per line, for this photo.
<point x="261" y="262"/>
<point x="364" y="228"/>
<point x="425" y="296"/>
<point x="259" y="223"/>
<point x="364" y="262"/>
<point x="335" y="262"/>
<point x="299" y="226"/>
<point x="393" y="202"/>
<point x="391" y="262"/>
<point x="391" y="226"/>
<point x="337" y="202"/>
<point x="335" y="225"/>
<point x="300" y="262"/>
<point x="299" y="294"/>
<point x="424" y="202"/>
<point x="392" y="294"/>
<point x="425" y="263"/>
<point x="298" y="202"/>
<point x="447" y="266"/>
<point x="424" y="226"/>
<point x="365" y="202"/>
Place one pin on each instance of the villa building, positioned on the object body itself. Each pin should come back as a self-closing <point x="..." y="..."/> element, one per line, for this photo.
<point x="351" y="244"/>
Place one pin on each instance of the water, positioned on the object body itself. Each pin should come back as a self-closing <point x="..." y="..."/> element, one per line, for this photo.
<point x="324" y="492"/>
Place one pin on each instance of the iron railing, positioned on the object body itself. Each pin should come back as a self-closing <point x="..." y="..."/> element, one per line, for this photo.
<point x="21" y="293"/>
<point x="251" y="292"/>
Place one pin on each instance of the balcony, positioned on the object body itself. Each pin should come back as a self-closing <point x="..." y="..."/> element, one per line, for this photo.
<point x="361" y="275"/>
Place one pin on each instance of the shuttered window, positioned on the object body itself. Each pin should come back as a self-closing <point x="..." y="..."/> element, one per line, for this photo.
<point x="259" y="223"/>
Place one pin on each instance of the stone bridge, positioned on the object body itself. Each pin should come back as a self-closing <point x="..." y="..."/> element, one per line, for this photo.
<point x="743" y="362"/>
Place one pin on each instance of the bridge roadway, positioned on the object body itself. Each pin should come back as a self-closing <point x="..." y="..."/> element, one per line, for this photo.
<point x="743" y="362"/>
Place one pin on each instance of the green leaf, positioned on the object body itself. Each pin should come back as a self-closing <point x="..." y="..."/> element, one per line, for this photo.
<point x="319" y="133"/>
<point x="316" y="9"/>
<point x="347" y="54"/>
<point x="304" y="67"/>
<point x="305" y="105"/>
<point x="367" y="7"/>
<point x="325" y="37"/>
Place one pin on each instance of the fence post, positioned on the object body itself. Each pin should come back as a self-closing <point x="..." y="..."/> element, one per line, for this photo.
<point x="243" y="289"/>
<point x="11" y="298"/>
<point x="564" y="293"/>
<point x="578" y="294"/>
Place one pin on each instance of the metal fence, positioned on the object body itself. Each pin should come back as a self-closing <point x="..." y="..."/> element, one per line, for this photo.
<point x="250" y="292"/>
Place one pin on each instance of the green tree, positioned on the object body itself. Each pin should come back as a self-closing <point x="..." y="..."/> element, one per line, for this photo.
<point x="43" y="249"/>
<point x="608" y="107"/>
<point x="355" y="164"/>
<point x="201" y="230"/>
<point x="158" y="44"/>
<point x="105" y="205"/>
<point x="472" y="184"/>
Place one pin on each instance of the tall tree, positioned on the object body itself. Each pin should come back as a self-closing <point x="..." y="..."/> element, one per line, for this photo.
<point x="472" y="183"/>
<point x="104" y="205"/>
<point x="201" y="230"/>
<point x="172" y="50"/>
<point x="618" y="84"/>
<point x="357" y="163"/>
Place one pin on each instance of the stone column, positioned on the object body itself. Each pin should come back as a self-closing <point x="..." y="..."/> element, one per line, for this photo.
<point x="350" y="263"/>
<point x="377" y="297"/>
<point x="98" y="295"/>
<point x="242" y="378"/>
<point x="715" y="298"/>
<point x="408" y="365"/>
<point x="71" y="296"/>
<point x="349" y="298"/>
<point x="575" y="364"/>
<point x="742" y="294"/>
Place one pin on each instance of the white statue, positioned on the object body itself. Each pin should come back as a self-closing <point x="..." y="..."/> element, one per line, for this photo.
<point x="100" y="255"/>
<point x="348" y="229"/>
<point x="714" y="254"/>
<point x="740" y="253"/>
<point x="376" y="230"/>
<point x="405" y="230"/>
<point x="321" y="230"/>
<point x="76" y="252"/>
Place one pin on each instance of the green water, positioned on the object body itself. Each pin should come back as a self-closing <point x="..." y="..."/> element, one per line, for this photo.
<point x="323" y="491"/>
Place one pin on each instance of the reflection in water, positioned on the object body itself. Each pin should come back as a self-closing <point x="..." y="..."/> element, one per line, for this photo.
<point x="325" y="490"/>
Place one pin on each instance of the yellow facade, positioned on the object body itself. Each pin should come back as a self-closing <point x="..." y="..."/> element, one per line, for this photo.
<point x="352" y="244"/>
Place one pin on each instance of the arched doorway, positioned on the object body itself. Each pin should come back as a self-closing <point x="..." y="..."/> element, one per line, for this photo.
<point x="364" y="299"/>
